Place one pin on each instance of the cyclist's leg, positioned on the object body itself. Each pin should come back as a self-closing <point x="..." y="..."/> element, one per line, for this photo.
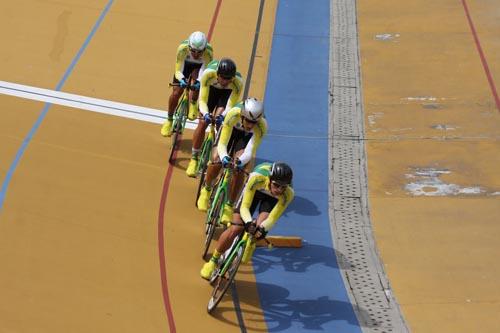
<point x="213" y="170"/>
<point x="166" y="129"/>
<point x="238" y="178"/>
<point x="225" y="241"/>
<point x="236" y="148"/>
<point x="193" y="95"/>
<point x="227" y="237"/>
<point x="174" y="99"/>
<point x="198" y="136"/>
<point x="267" y="204"/>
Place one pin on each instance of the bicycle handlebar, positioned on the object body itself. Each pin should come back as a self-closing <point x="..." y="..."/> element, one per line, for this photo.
<point x="175" y="84"/>
<point x="269" y="243"/>
<point x="233" y="165"/>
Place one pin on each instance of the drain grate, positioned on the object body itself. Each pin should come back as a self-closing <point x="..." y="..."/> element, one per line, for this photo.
<point x="375" y="306"/>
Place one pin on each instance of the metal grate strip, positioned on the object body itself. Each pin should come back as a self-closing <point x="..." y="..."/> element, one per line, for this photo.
<point x="375" y="306"/>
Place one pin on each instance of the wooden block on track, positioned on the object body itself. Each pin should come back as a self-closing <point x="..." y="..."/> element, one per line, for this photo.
<point x="282" y="241"/>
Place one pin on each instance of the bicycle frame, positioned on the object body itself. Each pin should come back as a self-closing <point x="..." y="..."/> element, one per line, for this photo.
<point x="214" y="212"/>
<point x="206" y="151"/>
<point x="180" y="117"/>
<point x="244" y="242"/>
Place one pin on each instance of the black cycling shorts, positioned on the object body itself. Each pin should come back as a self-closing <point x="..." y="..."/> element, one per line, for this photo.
<point x="264" y="201"/>
<point x="189" y="67"/>
<point x="217" y="98"/>
<point x="238" y="141"/>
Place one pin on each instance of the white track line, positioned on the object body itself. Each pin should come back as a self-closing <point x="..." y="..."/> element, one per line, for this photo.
<point x="87" y="103"/>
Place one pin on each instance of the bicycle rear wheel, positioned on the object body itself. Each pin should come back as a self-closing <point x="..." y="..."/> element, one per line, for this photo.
<point x="212" y="221"/>
<point x="203" y="165"/>
<point x="224" y="281"/>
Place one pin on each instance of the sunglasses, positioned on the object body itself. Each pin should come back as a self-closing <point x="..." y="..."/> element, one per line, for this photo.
<point x="278" y="185"/>
<point x="226" y="77"/>
<point x="250" y="121"/>
<point x="196" y="51"/>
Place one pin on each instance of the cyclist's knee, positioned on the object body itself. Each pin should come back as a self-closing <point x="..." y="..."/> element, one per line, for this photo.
<point x="177" y="92"/>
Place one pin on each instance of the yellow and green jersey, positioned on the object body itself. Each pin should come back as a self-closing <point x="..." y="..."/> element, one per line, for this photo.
<point x="209" y="78"/>
<point x="233" y="121"/>
<point x="184" y="55"/>
<point x="259" y="181"/>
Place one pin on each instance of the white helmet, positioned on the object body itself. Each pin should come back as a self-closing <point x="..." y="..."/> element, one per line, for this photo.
<point x="197" y="41"/>
<point x="253" y="109"/>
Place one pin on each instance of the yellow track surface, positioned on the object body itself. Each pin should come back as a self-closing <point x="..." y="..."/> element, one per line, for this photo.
<point x="429" y="107"/>
<point x="79" y="227"/>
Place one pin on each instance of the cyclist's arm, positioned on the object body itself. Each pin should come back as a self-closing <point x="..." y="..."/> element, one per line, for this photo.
<point x="280" y="207"/>
<point x="227" y="129"/>
<point x="207" y="58"/>
<point x="236" y="88"/>
<point x="206" y="80"/>
<point x="180" y="60"/>
<point x="250" y="151"/>
<point x="248" y="193"/>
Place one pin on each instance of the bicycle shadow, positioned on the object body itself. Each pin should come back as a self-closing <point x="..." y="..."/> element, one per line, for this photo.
<point x="294" y="259"/>
<point x="282" y="312"/>
<point x="185" y="150"/>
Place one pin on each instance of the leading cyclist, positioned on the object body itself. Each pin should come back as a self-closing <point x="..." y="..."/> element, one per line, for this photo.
<point x="269" y="187"/>
<point x="193" y="55"/>
<point x="242" y="132"/>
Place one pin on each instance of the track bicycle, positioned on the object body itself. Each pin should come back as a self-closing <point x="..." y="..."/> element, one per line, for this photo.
<point x="180" y="117"/>
<point x="240" y="252"/>
<point x="218" y="198"/>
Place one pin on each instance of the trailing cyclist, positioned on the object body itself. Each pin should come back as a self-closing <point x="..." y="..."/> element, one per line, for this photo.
<point x="242" y="132"/>
<point x="221" y="87"/>
<point x="269" y="188"/>
<point x="193" y="55"/>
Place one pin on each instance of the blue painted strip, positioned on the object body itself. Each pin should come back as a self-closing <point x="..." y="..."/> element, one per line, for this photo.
<point x="45" y="110"/>
<point x="302" y="289"/>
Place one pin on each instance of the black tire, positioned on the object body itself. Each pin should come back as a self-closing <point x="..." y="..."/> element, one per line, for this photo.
<point x="224" y="281"/>
<point x="213" y="220"/>
<point x="177" y="130"/>
<point x="174" y="146"/>
<point x="200" y="184"/>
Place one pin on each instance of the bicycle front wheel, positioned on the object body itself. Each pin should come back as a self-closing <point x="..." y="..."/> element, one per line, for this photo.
<point x="224" y="281"/>
<point x="175" y="138"/>
<point x="178" y="126"/>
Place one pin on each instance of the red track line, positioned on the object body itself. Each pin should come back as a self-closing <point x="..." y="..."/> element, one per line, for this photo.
<point x="481" y="55"/>
<point x="161" y="214"/>
<point x="161" y="248"/>
<point x="214" y="19"/>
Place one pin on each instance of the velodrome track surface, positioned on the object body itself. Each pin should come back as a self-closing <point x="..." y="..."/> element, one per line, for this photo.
<point x="86" y="245"/>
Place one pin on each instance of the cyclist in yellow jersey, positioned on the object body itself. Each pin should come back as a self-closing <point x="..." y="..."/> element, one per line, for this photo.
<point x="269" y="187"/>
<point x="242" y="132"/>
<point x="193" y="55"/>
<point x="221" y="87"/>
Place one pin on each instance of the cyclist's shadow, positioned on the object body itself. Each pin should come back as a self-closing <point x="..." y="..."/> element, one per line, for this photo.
<point x="281" y="312"/>
<point x="181" y="162"/>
